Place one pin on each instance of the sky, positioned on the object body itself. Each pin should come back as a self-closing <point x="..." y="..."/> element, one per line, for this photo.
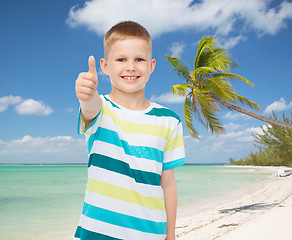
<point x="45" y="44"/>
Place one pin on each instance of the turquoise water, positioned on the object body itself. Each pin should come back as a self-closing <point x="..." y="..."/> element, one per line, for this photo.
<point x="197" y="183"/>
<point x="43" y="202"/>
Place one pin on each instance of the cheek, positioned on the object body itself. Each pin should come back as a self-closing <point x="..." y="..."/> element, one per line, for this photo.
<point x="115" y="70"/>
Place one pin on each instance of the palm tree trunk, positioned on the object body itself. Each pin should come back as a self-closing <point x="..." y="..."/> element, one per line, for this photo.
<point x="254" y="115"/>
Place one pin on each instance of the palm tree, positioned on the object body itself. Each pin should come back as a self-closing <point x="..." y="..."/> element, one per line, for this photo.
<point x="207" y="89"/>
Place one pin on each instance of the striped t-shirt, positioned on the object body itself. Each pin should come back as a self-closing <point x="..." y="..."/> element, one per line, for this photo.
<point x="128" y="150"/>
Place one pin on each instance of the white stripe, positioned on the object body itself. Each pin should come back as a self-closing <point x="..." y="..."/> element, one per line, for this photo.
<point x="177" y="131"/>
<point x="118" y="153"/>
<point x="124" y="181"/>
<point x="125" y="208"/>
<point x="140" y="118"/>
<point x="174" y="154"/>
<point x="116" y="231"/>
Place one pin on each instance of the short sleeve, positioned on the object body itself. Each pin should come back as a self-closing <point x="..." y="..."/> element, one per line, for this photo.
<point x="90" y="131"/>
<point x="174" y="152"/>
<point x="93" y="126"/>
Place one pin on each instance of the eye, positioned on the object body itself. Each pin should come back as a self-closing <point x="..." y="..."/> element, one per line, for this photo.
<point x="140" y="60"/>
<point x="121" y="60"/>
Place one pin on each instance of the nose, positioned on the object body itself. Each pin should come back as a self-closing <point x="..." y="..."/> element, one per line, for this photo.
<point x="131" y="66"/>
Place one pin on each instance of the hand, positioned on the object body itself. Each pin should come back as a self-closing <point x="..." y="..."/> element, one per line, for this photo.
<point x="86" y="83"/>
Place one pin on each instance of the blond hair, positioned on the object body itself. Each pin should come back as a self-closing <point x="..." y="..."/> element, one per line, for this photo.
<point x="125" y="30"/>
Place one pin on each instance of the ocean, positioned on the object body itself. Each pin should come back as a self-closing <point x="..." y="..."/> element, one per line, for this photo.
<point x="41" y="202"/>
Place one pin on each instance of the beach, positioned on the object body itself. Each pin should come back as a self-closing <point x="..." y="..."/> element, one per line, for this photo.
<point x="261" y="211"/>
<point x="215" y="202"/>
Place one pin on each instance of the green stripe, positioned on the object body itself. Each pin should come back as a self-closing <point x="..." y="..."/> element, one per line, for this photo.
<point x="84" y="234"/>
<point x="121" y="167"/>
<point x="123" y="220"/>
<point x="163" y="112"/>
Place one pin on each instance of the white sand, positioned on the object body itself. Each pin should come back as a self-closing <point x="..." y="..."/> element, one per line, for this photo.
<point x="264" y="213"/>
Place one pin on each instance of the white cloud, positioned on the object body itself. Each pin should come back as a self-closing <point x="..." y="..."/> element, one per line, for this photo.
<point x="167" y="98"/>
<point x="25" y="107"/>
<point x="236" y="143"/>
<point x="33" y="107"/>
<point x="165" y="16"/>
<point x="230" y="42"/>
<point x="257" y="130"/>
<point x="8" y="100"/>
<point x="231" y="126"/>
<point x="30" y="149"/>
<point x="216" y="146"/>
<point x="280" y="105"/>
<point x="235" y="116"/>
<point x="177" y="49"/>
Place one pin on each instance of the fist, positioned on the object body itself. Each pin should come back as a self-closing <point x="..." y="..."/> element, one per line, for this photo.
<point x="86" y="83"/>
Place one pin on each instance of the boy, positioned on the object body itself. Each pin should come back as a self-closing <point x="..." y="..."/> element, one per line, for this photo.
<point x="133" y="145"/>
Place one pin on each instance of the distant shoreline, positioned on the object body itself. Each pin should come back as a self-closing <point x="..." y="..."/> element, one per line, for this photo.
<point x="186" y="164"/>
<point x="206" y="164"/>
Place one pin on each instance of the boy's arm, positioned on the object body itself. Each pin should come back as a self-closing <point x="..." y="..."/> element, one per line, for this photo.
<point x="168" y="185"/>
<point x="87" y="94"/>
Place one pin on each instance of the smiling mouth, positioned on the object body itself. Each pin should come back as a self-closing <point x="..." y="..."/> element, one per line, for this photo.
<point x="130" y="78"/>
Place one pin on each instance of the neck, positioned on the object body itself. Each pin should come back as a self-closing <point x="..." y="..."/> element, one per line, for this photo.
<point x="135" y="102"/>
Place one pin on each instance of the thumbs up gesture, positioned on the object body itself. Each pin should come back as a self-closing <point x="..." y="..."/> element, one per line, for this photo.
<point x="86" y="82"/>
<point x="85" y="87"/>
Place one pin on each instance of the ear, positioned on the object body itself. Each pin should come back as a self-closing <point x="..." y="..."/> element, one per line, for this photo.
<point x="104" y="66"/>
<point x="152" y="65"/>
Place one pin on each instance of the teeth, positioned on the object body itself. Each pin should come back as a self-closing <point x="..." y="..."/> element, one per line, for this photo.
<point x="130" y="78"/>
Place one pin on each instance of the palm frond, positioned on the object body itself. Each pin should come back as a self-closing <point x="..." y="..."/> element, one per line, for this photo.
<point x="232" y="76"/>
<point x="211" y="55"/>
<point x="213" y="122"/>
<point x="221" y="60"/>
<point x="180" y="89"/>
<point x="205" y="44"/>
<point x="246" y="102"/>
<point x="220" y="88"/>
<point x="208" y="108"/>
<point x="203" y="71"/>
<point x="177" y="65"/>
<point x="188" y="117"/>
<point x="196" y="108"/>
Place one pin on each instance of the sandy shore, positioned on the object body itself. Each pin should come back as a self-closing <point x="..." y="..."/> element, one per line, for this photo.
<point x="262" y="212"/>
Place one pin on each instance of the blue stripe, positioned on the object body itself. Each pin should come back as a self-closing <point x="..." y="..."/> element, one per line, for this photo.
<point x="90" y="142"/>
<point x="112" y="137"/>
<point x="173" y="164"/>
<point x="123" y="220"/>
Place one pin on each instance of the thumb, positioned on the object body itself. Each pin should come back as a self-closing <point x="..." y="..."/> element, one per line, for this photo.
<point x="91" y="64"/>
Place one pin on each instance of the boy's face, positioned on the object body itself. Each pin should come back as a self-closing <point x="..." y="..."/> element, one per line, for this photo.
<point x="129" y="65"/>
